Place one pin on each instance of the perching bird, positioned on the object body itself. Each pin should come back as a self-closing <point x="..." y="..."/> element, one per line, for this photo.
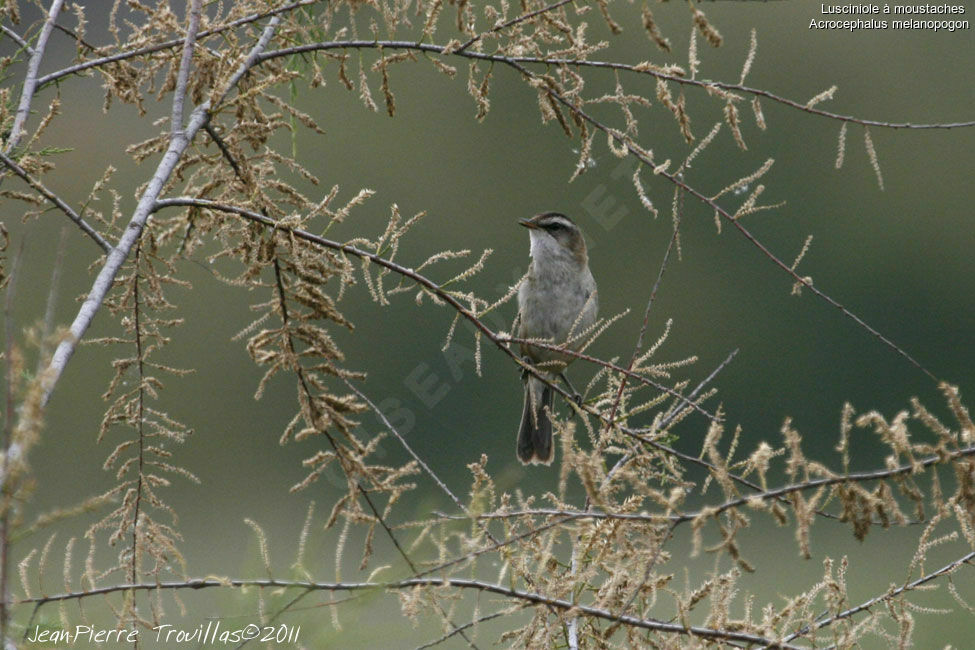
<point x="556" y="302"/>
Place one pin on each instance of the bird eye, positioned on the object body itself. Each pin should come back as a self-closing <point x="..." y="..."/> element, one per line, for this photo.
<point x="554" y="226"/>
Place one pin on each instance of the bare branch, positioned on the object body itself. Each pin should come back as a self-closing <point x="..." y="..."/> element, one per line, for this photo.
<point x="30" y="79"/>
<point x="675" y="411"/>
<point x="477" y="621"/>
<point x="396" y="434"/>
<point x="185" y="63"/>
<point x="646" y="319"/>
<point x="579" y="63"/>
<point x="56" y="200"/>
<point x="17" y="39"/>
<point x="526" y="597"/>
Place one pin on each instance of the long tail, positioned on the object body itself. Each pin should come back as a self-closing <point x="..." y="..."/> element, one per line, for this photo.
<point x="535" y="434"/>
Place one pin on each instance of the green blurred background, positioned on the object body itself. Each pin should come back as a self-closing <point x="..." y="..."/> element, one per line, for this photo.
<point x="900" y="258"/>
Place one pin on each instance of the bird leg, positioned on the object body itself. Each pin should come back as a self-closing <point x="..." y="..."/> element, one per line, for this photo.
<point x="576" y="397"/>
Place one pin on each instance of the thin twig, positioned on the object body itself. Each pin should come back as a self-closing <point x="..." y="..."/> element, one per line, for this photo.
<point x="476" y="621"/>
<point x="886" y="596"/>
<point x="514" y="21"/>
<point x="646" y="321"/>
<point x="57" y="201"/>
<point x="389" y="531"/>
<point x="139" y="491"/>
<point x="17" y="39"/>
<point x="426" y="468"/>
<point x="77" y="38"/>
<point x="675" y="411"/>
<point x="626" y="372"/>
<point x="224" y="150"/>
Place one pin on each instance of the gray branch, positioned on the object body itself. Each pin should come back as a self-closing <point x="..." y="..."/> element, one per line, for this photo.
<point x="30" y="79"/>
<point x="17" y="39"/>
<point x="185" y="63"/>
<point x="179" y="141"/>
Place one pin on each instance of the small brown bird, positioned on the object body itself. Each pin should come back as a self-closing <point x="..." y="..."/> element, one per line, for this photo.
<point x="556" y="302"/>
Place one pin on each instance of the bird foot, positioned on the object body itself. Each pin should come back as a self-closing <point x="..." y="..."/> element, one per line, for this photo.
<point x="576" y="397"/>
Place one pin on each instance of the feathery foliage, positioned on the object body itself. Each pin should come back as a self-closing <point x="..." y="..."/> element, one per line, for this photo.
<point x="599" y="561"/>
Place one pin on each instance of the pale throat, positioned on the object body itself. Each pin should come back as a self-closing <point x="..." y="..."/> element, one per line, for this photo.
<point x="534" y="244"/>
<point x="543" y="248"/>
<point x="546" y="250"/>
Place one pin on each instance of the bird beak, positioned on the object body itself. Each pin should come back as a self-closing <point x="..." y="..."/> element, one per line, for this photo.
<point x="528" y="223"/>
